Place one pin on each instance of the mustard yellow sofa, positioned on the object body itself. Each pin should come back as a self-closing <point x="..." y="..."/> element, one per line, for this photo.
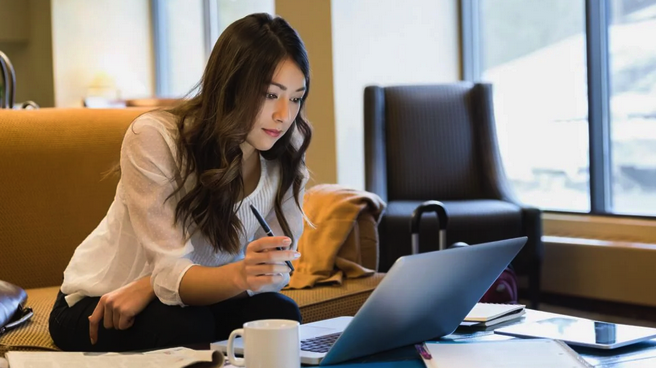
<point x="52" y="195"/>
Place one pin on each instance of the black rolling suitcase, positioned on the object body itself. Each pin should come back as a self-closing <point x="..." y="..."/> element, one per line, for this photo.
<point x="504" y="289"/>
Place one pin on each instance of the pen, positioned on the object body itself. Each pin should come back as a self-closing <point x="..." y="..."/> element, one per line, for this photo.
<point x="423" y="351"/>
<point x="268" y="231"/>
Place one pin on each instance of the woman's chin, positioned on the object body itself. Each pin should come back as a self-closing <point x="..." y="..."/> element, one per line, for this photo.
<point x="265" y="146"/>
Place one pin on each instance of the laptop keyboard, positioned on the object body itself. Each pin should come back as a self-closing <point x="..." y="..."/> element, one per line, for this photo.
<point x="319" y="344"/>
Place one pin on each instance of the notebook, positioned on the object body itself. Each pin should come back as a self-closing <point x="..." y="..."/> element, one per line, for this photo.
<point x="515" y="353"/>
<point x="489" y="314"/>
<point x="416" y="301"/>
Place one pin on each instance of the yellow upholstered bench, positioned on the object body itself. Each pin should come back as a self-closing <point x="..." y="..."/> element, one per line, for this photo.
<point x="52" y="196"/>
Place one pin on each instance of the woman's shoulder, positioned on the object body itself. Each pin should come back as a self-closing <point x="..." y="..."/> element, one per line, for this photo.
<point x="153" y="133"/>
<point x="152" y="127"/>
<point x="160" y="120"/>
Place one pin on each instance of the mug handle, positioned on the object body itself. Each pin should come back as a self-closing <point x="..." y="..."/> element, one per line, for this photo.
<point x="239" y="362"/>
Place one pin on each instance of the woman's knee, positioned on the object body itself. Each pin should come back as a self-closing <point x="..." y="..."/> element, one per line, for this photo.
<point x="65" y="337"/>
<point x="274" y="306"/>
<point x="69" y="326"/>
<point x="175" y="325"/>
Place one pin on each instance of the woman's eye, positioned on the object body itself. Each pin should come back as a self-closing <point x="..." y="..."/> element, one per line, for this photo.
<point x="296" y="100"/>
<point x="271" y="96"/>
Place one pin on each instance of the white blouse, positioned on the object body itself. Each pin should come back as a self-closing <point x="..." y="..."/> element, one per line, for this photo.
<point x="138" y="236"/>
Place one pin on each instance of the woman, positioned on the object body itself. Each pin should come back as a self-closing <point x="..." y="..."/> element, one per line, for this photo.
<point x="180" y="259"/>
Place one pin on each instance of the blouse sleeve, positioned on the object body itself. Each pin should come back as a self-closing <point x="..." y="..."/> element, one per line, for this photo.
<point x="149" y="175"/>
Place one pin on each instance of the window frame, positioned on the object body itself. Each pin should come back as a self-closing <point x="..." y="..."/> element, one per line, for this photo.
<point x="160" y="49"/>
<point x="160" y="40"/>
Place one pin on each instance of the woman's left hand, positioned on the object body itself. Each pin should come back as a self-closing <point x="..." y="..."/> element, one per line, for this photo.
<point x="119" y="308"/>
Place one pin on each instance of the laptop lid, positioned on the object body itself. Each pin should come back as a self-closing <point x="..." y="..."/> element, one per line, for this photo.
<point x="422" y="297"/>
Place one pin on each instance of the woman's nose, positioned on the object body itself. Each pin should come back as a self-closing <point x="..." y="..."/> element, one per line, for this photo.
<point x="281" y="113"/>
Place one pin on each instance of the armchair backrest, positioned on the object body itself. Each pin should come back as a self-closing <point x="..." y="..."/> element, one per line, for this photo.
<point x="430" y="141"/>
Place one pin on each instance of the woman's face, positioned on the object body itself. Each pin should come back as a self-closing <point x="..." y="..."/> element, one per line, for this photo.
<point x="282" y="104"/>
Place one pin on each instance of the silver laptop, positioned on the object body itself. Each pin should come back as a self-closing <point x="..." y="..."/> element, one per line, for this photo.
<point x="422" y="297"/>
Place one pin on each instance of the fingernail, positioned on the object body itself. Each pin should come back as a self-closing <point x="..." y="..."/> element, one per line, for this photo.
<point x="296" y="255"/>
<point x="93" y="342"/>
<point x="287" y="241"/>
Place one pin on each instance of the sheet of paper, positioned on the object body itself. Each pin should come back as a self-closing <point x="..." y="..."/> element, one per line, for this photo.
<point x="174" y="357"/>
<point x="516" y="353"/>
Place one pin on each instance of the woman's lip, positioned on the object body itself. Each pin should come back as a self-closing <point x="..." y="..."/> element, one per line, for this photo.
<point x="272" y="132"/>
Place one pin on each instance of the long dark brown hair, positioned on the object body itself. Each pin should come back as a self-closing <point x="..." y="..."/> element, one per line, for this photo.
<point x="214" y="123"/>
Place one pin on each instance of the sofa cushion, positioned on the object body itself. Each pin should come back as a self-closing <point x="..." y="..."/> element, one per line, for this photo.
<point x="34" y="334"/>
<point x="328" y="301"/>
<point x="317" y="303"/>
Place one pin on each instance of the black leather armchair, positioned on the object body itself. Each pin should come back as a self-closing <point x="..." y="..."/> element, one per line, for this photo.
<point x="438" y="142"/>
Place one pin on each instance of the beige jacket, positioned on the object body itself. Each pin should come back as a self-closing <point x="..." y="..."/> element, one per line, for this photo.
<point x="346" y="222"/>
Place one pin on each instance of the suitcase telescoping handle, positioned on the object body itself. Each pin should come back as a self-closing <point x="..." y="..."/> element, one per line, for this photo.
<point x="9" y="81"/>
<point x="442" y="219"/>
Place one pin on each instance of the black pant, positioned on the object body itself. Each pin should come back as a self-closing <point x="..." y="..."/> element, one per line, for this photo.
<point x="161" y="326"/>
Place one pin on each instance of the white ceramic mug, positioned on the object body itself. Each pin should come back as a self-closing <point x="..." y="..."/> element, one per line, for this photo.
<point x="268" y="343"/>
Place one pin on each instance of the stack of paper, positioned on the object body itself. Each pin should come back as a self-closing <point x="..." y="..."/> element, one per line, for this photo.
<point x="488" y="314"/>
<point x="174" y="357"/>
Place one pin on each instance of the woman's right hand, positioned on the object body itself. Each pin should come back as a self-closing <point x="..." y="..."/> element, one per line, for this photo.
<point x="117" y="309"/>
<point x="263" y="264"/>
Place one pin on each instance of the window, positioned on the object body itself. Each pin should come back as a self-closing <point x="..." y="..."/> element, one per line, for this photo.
<point x="633" y="106"/>
<point x="574" y="88"/>
<point x="185" y="32"/>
